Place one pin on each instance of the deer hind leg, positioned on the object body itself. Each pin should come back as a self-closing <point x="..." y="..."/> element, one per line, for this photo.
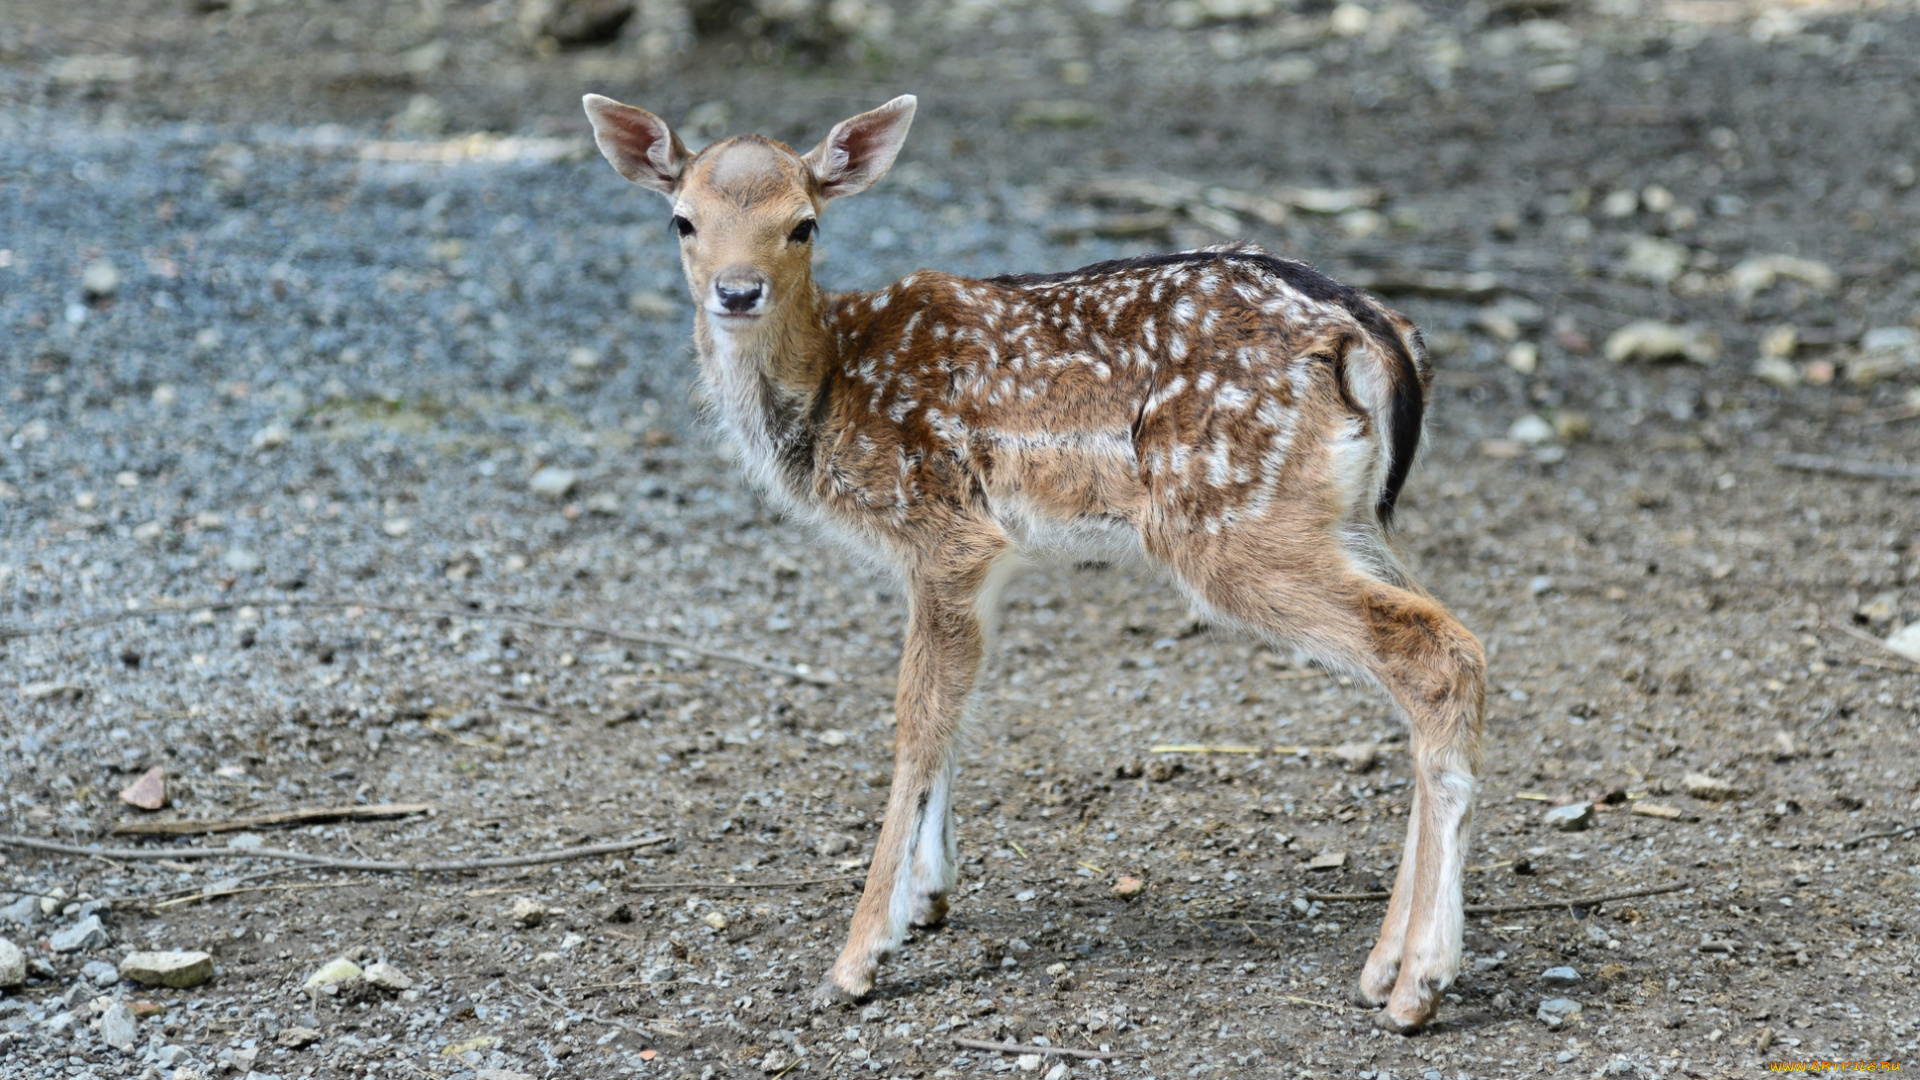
<point x="1383" y="962"/>
<point x="913" y="864"/>
<point x="1435" y="671"/>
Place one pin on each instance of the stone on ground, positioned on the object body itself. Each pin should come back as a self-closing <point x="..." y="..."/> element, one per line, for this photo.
<point x="13" y="964"/>
<point x="178" y="968"/>
<point x="118" y="1028"/>
<point x="88" y="933"/>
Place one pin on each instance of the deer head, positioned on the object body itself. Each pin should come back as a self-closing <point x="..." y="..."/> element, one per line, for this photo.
<point x="746" y="208"/>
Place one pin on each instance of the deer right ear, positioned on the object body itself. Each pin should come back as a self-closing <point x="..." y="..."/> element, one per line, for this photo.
<point x="637" y="143"/>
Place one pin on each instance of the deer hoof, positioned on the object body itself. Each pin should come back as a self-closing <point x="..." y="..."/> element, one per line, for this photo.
<point x="1376" y="984"/>
<point x="1385" y="1021"/>
<point x="929" y="911"/>
<point x="1408" y="1012"/>
<point x="830" y="994"/>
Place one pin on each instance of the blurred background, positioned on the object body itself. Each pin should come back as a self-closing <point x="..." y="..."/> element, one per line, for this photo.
<point x="325" y="301"/>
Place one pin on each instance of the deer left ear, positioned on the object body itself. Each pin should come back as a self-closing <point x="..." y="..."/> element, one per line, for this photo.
<point x="858" y="151"/>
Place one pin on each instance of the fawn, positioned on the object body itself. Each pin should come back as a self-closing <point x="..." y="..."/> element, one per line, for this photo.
<point x="1234" y="419"/>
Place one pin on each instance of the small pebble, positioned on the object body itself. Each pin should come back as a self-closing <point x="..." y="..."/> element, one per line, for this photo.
<point x="100" y="280"/>
<point x="553" y="483"/>
<point x="13" y="964"/>
<point x="1530" y="430"/>
<point x="88" y="933"/>
<point x="528" y="912"/>
<point x="100" y="973"/>
<point x="149" y="792"/>
<point x="1524" y="357"/>
<point x="1654" y="260"/>
<point x="1555" y="1012"/>
<point x="271" y="437"/>
<point x="118" y="1028"/>
<point x="387" y="977"/>
<point x="1776" y="372"/>
<point x="1574" y="817"/>
<point x="1906" y="642"/>
<point x="22" y="911"/>
<point x="242" y="561"/>
<point x="1357" y="757"/>
<point x="1560" y="976"/>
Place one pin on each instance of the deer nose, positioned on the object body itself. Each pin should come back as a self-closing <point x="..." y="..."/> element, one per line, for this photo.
<point x="738" y="299"/>
<point x="740" y="291"/>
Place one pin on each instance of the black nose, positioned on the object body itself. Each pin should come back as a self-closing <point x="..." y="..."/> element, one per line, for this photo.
<point x="740" y="299"/>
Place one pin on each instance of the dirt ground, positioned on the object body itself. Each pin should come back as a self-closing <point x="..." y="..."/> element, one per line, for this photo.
<point x="373" y="297"/>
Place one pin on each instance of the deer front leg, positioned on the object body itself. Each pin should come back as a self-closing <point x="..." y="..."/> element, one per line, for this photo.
<point x="913" y="865"/>
<point x="1383" y="963"/>
<point x="935" y="853"/>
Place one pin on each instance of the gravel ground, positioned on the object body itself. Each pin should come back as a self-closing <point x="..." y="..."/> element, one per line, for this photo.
<point x="339" y="362"/>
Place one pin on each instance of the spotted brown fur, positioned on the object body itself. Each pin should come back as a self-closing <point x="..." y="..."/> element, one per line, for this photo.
<point x="1234" y="419"/>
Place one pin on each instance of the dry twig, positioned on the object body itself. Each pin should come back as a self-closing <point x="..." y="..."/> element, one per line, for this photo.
<point x="662" y="886"/>
<point x="662" y="641"/>
<point x="1324" y="1004"/>
<point x="260" y="821"/>
<point x="1506" y="909"/>
<point x="1023" y="1048"/>
<point x="1857" y="467"/>
<point x="218" y="891"/>
<point x="1884" y="834"/>
<point x="1577" y="901"/>
<point x="1868" y="639"/>
<point x="439" y="866"/>
<point x="641" y="1030"/>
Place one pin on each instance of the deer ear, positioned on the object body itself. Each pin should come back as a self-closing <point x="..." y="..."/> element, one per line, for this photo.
<point x="637" y="143"/>
<point x="858" y="151"/>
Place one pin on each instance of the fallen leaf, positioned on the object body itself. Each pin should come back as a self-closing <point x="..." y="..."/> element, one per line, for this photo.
<point x="478" y="1042"/>
<point x="149" y="792"/>
<point x="1709" y="788"/>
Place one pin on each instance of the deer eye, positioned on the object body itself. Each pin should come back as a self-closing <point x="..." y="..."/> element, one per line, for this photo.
<point x="682" y="226"/>
<point x="803" y="232"/>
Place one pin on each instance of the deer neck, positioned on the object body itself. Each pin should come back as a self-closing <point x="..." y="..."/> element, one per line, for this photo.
<point x="764" y="379"/>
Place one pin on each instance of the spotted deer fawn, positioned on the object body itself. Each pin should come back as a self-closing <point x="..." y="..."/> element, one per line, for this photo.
<point x="1234" y="419"/>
